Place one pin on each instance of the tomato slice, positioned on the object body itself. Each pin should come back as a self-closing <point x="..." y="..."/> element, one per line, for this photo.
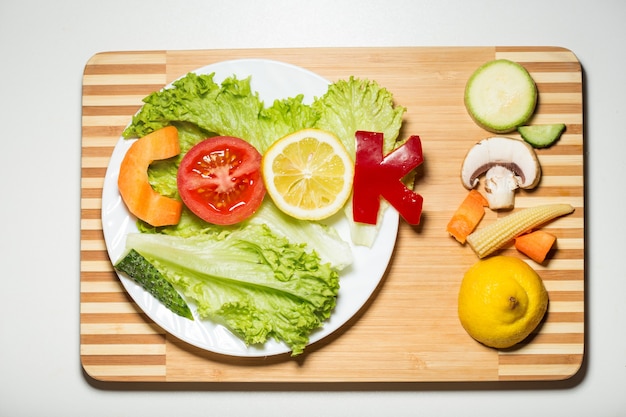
<point x="220" y="181"/>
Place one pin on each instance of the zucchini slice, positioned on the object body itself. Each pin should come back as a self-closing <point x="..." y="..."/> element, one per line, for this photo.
<point x="500" y="96"/>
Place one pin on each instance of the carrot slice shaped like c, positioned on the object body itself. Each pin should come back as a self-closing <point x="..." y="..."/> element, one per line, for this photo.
<point x="138" y="195"/>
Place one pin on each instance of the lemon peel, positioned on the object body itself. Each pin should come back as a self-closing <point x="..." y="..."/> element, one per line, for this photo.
<point x="501" y="301"/>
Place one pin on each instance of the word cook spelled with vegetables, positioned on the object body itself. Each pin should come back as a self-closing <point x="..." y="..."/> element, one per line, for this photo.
<point x="377" y="175"/>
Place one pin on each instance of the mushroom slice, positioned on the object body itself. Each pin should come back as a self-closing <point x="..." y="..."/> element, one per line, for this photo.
<point x="508" y="164"/>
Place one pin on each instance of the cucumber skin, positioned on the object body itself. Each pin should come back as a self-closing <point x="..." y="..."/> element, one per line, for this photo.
<point x="541" y="136"/>
<point x="480" y="120"/>
<point x="145" y="274"/>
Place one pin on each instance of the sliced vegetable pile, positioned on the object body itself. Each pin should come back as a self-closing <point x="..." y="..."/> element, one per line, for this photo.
<point x="247" y="179"/>
<point x="501" y="96"/>
<point x="502" y="299"/>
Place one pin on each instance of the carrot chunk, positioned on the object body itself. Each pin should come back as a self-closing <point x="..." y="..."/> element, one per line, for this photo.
<point x="536" y="245"/>
<point x="467" y="216"/>
<point x="138" y="195"/>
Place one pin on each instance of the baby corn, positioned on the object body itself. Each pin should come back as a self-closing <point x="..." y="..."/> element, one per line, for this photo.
<point x="491" y="238"/>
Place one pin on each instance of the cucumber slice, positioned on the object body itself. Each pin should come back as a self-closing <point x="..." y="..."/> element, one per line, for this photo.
<point x="500" y="96"/>
<point x="541" y="136"/>
<point x="144" y="273"/>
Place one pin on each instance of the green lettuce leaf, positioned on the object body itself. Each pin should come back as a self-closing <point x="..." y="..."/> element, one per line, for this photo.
<point x="319" y="238"/>
<point x="258" y="284"/>
<point x="229" y="109"/>
<point x="356" y="104"/>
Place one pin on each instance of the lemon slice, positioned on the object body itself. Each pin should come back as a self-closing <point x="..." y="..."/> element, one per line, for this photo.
<point x="308" y="174"/>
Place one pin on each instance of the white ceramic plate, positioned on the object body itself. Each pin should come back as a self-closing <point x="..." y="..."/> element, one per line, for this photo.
<point x="273" y="80"/>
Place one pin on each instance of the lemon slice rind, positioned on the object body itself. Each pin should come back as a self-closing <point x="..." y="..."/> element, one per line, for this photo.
<point x="303" y="185"/>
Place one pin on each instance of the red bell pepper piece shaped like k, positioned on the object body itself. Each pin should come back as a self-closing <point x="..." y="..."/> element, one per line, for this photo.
<point x="377" y="175"/>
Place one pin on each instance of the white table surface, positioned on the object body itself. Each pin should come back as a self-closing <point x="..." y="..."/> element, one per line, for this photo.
<point x="44" y="46"/>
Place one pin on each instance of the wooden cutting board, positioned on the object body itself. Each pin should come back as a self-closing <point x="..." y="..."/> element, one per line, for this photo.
<point x="409" y="330"/>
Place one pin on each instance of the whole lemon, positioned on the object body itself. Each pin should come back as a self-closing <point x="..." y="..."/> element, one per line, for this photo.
<point x="501" y="301"/>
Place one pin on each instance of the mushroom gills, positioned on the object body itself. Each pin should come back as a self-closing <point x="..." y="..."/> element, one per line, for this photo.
<point x="508" y="164"/>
